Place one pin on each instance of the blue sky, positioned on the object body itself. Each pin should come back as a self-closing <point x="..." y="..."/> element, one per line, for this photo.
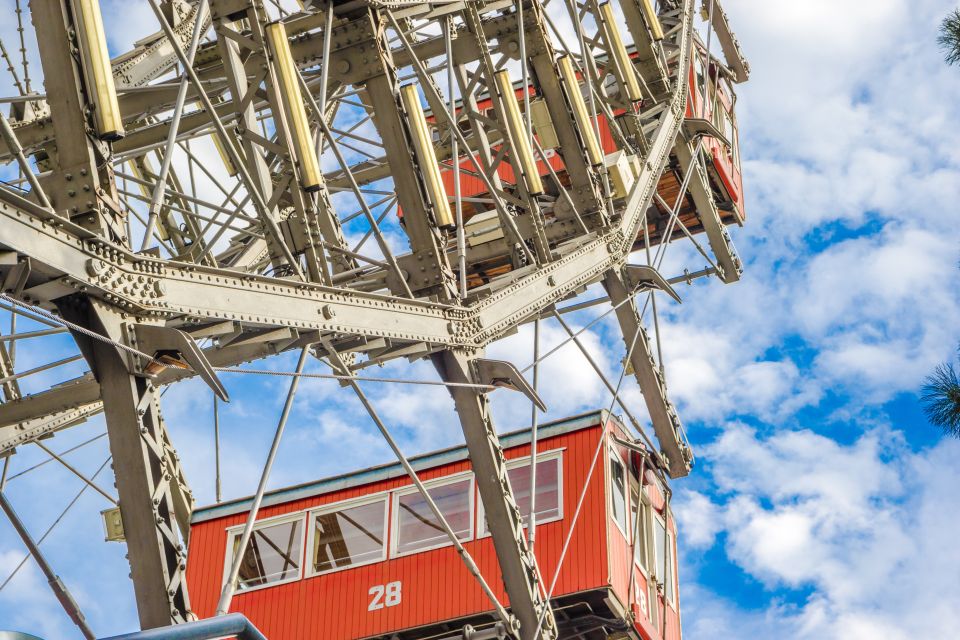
<point x="822" y="504"/>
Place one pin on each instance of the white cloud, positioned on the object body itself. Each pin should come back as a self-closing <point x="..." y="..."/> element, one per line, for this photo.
<point x="700" y="518"/>
<point x="568" y="383"/>
<point x="864" y="525"/>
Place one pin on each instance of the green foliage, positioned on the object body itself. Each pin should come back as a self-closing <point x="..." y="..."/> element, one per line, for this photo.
<point x="949" y="37"/>
<point x="941" y="399"/>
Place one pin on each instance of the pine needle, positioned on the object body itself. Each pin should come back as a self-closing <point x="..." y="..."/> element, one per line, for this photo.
<point x="949" y="37"/>
<point x="941" y="399"/>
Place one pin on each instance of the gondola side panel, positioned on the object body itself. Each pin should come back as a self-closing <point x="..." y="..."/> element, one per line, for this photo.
<point x="434" y="586"/>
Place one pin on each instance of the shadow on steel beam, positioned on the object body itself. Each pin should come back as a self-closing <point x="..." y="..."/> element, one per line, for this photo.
<point x="228" y="626"/>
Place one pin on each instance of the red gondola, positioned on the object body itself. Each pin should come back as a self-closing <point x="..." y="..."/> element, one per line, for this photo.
<point x="361" y="556"/>
<point x="710" y="102"/>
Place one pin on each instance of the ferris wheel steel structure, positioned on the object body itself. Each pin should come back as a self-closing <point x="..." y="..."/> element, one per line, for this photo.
<point x="341" y="127"/>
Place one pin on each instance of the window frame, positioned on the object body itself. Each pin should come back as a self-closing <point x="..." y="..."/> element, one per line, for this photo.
<point x="430" y="484"/>
<point x="542" y="456"/>
<point x="700" y="82"/>
<point x="614" y="456"/>
<point x="342" y="505"/>
<point x="237" y="530"/>
<point x="669" y="589"/>
<point x="641" y="560"/>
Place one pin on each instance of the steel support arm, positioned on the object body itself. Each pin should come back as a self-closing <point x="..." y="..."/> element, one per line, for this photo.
<point x="728" y="42"/>
<point x="663" y="416"/>
<point x="78" y="170"/>
<point x="138" y="443"/>
<point x="43" y="423"/>
<point x="648" y="53"/>
<point x="716" y="231"/>
<point x="70" y="259"/>
<point x="56" y="584"/>
<point x="518" y="565"/>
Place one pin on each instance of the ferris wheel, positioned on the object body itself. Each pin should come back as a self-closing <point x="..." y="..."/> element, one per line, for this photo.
<point x="357" y="182"/>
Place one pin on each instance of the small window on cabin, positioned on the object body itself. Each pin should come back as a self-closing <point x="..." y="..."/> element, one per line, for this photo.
<point x="663" y="544"/>
<point x="671" y="582"/>
<point x="700" y="81"/>
<point x="653" y="609"/>
<point x="730" y="131"/>
<point x="417" y="527"/>
<point x="548" y="490"/>
<point x="659" y="547"/>
<point x="618" y="493"/>
<point x="272" y="555"/>
<point x="640" y="519"/>
<point x="719" y="114"/>
<point x="349" y="536"/>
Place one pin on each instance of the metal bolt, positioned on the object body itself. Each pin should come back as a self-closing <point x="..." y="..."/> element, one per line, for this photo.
<point x="95" y="267"/>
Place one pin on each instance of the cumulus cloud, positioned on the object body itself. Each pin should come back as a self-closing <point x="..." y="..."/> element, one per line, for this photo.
<point x="862" y="526"/>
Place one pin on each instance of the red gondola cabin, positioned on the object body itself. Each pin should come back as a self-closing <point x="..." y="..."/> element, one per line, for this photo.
<point x="361" y="556"/>
<point x="711" y="100"/>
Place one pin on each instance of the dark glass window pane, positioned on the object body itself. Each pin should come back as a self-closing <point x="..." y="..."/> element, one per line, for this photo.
<point x="548" y="490"/>
<point x="639" y="527"/>
<point x="668" y="580"/>
<point x="273" y="554"/>
<point x="618" y="493"/>
<point x="660" y="547"/>
<point x="417" y="526"/>
<point x="350" y="536"/>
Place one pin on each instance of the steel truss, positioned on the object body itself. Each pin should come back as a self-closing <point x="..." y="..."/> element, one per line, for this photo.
<point x="327" y="123"/>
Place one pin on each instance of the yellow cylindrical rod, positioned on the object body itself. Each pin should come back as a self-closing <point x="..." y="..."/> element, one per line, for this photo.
<point x="521" y="143"/>
<point x="426" y="156"/>
<point x="619" y="52"/>
<point x="224" y="156"/>
<point x="221" y="148"/>
<point x="292" y="99"/>
<point x="580" y="114"/>
<point x="652" y="19"/>
<point x="97" y="69"/>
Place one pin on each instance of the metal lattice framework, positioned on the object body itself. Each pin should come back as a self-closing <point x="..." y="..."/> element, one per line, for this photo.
<point x="325" y="224"/>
